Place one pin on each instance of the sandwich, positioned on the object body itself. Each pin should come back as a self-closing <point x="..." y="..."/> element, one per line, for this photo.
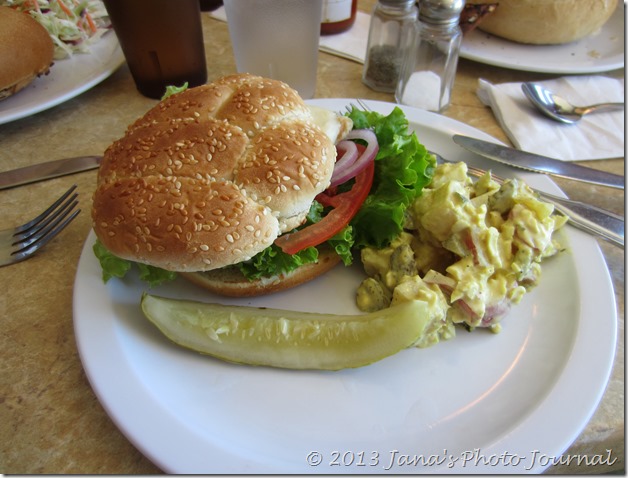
<point x="228" y="185"/>
<point x="26" y="51"/>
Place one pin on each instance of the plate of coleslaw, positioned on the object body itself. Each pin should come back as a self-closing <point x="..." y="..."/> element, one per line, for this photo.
<point x="86" y="52"/>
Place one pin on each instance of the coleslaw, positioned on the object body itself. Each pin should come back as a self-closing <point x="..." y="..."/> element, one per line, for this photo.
<point x="72" y="24"/>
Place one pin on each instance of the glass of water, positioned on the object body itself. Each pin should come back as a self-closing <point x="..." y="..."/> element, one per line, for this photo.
<point x="277" y="39"/>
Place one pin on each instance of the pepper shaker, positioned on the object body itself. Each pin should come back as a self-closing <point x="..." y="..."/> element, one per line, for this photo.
<point x="391" y="23"/>
<point x="429" y="68"/>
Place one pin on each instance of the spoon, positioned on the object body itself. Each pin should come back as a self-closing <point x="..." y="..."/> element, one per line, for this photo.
<point x="559" y="108"/>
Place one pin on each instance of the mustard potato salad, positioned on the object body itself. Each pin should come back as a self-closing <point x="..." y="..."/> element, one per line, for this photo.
<point x="469" y="249"/>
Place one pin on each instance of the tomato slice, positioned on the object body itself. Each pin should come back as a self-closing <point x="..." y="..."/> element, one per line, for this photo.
<point x="345" y="206"/>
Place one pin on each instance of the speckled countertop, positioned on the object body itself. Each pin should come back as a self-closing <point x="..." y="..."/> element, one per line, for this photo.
<point x="50" y="419"/>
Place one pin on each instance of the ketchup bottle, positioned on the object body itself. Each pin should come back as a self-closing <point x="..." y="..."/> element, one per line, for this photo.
<point x="338" y="16"/>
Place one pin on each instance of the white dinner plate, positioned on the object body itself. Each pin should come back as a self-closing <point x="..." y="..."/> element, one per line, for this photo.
<point x="509" y="402"/>
<point x="601" y="51"/>
<point x="67" y="78"/>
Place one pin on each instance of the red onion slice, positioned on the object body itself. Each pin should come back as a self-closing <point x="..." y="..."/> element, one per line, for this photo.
<point x="349" y="155"/>
<point x="345" y="170"/>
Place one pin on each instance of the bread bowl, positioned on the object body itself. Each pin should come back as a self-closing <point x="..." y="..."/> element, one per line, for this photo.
<point x="547" y="21"/>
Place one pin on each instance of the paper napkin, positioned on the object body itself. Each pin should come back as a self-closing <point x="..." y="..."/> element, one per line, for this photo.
<point x="350" y="44"/>
<point x="596" y="136"/>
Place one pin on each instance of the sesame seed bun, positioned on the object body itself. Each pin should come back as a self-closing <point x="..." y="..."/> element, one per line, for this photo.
<point x="213" y="175"/>
<point x="26" y="51"/>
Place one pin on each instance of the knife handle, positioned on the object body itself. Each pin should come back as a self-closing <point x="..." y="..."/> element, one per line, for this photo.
<point x="591" y="219"/>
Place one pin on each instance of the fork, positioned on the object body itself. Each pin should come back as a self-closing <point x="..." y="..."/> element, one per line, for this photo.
<point x="21" y="242"/>
<point x="586" y="217"/>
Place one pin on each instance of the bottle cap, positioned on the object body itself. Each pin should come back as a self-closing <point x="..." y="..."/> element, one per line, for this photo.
<point x="440" y="11"/>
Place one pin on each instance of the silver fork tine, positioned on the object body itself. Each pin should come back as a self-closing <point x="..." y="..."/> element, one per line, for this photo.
<point x="43" y="215"/>
<point x="23" y="241"/>
<point x="26" y="239"/>
<point x="49" y="234"/>
<point x="39" y="227"/>
<point x="362" y="104"/>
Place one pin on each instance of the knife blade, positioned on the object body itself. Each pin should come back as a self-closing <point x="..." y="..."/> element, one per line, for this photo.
<point x="47" y="170"/>
<point x="537" y="163"/>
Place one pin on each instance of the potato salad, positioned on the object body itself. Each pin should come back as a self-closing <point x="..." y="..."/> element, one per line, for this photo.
<point x="470" y="249"/>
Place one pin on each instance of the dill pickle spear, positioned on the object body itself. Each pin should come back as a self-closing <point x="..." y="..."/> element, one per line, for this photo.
<point x="287" y="339"/>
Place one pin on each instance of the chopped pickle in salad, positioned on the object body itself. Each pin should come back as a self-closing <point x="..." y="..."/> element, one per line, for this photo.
<point x="470" y="249"/>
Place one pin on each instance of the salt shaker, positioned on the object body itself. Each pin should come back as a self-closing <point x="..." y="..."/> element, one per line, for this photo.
<point x="391" y="23"/>
<point x="428" y="71"/>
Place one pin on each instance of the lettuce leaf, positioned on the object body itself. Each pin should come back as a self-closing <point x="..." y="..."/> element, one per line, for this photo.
<point x="114" y="266"/>
<point x="403" y="167"/>
<point x="273" y="261"/>
<point x="173" y="90"/>
<point x="343" y="245"/>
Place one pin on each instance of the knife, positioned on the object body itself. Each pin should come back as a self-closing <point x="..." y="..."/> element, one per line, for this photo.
<point x="539" y="164"/>
<point x="47" y="170"/>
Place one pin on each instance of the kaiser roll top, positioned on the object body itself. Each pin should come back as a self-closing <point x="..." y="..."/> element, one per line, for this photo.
<point x="211" y="176"/>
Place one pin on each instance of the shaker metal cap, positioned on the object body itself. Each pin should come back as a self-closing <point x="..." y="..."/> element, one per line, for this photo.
<point x="440" y="11"/>
<point x="395" y="3"/>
